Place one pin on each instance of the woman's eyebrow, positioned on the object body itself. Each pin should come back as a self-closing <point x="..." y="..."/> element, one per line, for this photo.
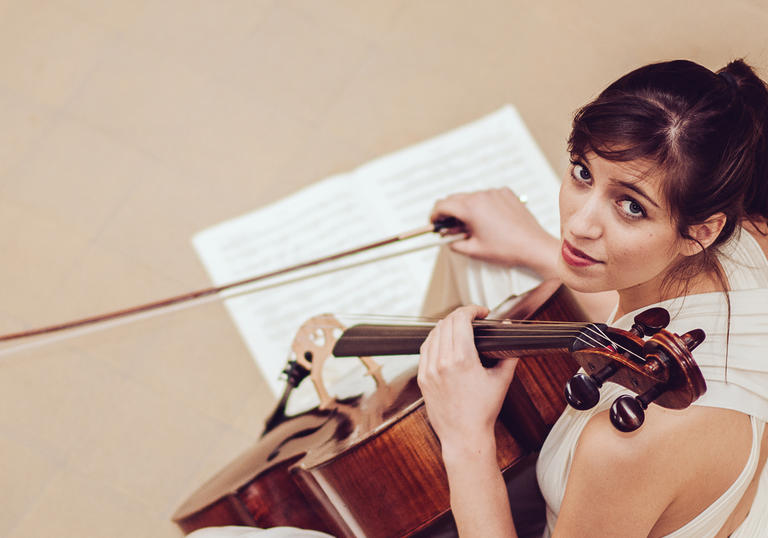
<point x="633" y="187"/>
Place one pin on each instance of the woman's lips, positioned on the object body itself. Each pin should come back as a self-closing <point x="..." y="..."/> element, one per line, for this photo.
<point x="575" y="257"/>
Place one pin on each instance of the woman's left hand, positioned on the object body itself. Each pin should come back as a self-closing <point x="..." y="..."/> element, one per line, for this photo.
<point x="462" y="398"/>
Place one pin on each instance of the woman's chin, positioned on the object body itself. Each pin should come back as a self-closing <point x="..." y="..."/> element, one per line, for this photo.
<point x="580" y="282"/>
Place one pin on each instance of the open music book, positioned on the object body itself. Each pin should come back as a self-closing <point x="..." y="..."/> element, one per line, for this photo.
<point x="379" y="199"/>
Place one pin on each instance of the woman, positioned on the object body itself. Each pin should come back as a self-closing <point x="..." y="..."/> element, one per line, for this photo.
<point x="665" y="201"/>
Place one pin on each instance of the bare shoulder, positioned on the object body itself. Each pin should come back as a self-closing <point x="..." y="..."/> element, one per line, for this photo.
<point x="652" y="481"/>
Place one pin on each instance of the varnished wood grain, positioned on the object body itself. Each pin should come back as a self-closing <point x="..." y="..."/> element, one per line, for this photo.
<point x="373" y="467"/>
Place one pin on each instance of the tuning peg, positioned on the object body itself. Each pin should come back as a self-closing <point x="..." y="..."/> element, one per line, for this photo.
<point x="582" y="391"/>
<point x="628" y="413"/>
<point x="651" y="321"/>
<point x="693" y="338"/>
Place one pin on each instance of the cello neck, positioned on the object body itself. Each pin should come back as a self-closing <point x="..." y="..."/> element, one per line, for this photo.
<point x="375" y="340"/>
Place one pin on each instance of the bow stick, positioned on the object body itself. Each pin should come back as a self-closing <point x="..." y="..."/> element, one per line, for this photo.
<point x="447" y="224"/>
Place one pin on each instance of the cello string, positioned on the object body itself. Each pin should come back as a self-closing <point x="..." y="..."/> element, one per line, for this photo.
<point x="433" y="319"/>
<point x="589" y="333"/>
<point x="503" y="324"/>
<point x="438" y="318"/>
<point x="508" y="326"/>
<point x="615" y="344"/>
<point x="524" y="326"/>
<point x="580" y="337"/>
<point x="591" y="337"/>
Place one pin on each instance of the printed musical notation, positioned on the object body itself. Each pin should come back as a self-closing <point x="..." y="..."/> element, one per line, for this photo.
<point x="384" y="197"/>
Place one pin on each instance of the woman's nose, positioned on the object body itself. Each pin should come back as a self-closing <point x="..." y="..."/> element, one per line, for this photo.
<point x="586" y="220"/>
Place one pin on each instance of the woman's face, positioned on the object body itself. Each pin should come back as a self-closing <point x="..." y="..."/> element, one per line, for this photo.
<point x="616" y="230"/>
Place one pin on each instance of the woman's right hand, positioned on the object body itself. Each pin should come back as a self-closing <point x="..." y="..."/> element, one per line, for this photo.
<point x="500" y="229"/>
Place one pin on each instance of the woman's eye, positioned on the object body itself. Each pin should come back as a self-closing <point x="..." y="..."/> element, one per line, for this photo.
<point x="632" y="208"/>
<point x="580" y="172"/>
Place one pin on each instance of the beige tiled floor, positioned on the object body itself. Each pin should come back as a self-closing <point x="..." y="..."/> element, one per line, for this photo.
<point x="127" y="126"/>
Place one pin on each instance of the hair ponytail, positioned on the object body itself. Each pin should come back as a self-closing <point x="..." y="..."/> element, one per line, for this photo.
<point x="751" y="92"/>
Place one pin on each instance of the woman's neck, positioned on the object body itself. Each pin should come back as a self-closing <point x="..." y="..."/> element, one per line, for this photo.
<point x="662" y="289"/>
<point x="707" y="281"/>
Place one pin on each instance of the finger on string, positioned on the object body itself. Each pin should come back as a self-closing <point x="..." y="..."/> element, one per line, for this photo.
<point x="437" y="349"/>
<point x="444" y="341"/>
<point x="425" y="353"/>
<point x="464" y="338"/>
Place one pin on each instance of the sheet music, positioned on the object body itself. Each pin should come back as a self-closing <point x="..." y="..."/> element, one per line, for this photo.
<point x="384" y="197"/>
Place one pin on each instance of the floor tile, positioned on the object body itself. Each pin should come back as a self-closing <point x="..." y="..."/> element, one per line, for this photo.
<point x="75" y="506"/>
<point x="26" y="470"/>
<point x="76" y="166"/>
<point x="46" y="53"/>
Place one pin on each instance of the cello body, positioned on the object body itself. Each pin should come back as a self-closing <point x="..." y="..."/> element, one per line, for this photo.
<point x="257" y="489"/>
<point x="371" y="466"/>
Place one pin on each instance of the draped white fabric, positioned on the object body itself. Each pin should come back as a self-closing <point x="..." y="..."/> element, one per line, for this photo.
<point x="740" y="343"/>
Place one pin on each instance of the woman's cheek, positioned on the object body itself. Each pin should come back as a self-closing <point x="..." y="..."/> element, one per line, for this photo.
<point x="566" y="201"/>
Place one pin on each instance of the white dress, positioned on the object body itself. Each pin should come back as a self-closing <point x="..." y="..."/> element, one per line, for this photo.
<point x="744" y="390"/>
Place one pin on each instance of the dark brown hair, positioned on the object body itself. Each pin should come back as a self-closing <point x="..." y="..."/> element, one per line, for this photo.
<point x="706" y="131"/>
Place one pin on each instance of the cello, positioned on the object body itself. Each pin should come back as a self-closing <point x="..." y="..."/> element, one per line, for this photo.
<point x="371" y="465"/>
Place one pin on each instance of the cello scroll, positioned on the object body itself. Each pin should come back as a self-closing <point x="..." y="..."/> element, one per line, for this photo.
<point x="660" y="369"/>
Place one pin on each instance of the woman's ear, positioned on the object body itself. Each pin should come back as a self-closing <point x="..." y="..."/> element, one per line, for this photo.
<point x="703" y="234"/>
